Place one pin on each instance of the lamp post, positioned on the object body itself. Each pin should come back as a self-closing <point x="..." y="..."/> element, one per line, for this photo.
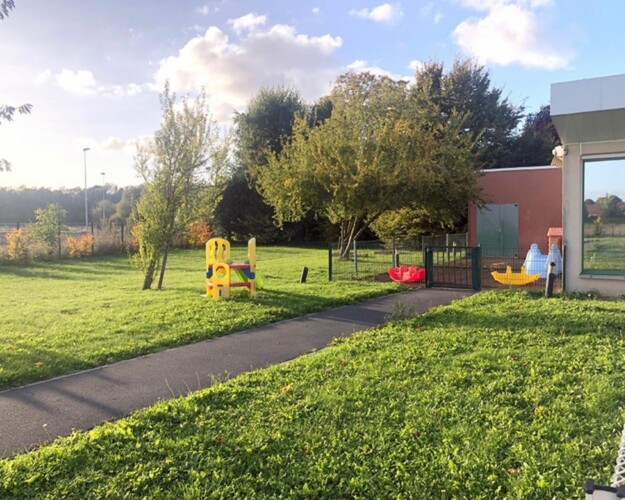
<point x="103" y="197"/>
<point x="84" y="150"/>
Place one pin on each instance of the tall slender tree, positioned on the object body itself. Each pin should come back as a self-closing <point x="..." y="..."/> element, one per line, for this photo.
<point x="173" y="168"/>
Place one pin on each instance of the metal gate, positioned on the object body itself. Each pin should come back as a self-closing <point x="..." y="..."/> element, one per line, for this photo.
<point x="453" y="267"/>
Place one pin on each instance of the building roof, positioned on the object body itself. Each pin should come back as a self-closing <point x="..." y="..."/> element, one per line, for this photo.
<point x="590" y="110"/>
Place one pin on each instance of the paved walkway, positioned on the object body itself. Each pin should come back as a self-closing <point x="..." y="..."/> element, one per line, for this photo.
<point x="38" y="413"/>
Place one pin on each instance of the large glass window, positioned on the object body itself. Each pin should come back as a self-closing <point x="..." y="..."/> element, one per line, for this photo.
<point x="604" y="216"/>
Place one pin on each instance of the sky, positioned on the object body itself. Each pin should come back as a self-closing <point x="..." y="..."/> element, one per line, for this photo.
<point x="93" y="69"/>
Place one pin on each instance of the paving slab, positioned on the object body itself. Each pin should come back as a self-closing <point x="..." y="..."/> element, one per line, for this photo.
<point x="38" y="413"/>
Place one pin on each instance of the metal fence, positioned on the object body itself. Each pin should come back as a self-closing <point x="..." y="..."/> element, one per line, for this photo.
<point x="372" y="259"/>
<point x="111" y="239"/>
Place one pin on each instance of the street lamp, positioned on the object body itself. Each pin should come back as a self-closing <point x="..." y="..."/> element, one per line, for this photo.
<point x="103" y="197"/>
<point x="84" y="150"/>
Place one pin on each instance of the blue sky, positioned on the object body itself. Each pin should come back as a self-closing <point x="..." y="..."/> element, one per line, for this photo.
<point x="93" y="69"/>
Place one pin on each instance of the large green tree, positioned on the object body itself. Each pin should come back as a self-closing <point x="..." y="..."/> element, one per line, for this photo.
<point x="490" y="119"/>
<point x="262" y="129"/>
<point x="535" y="143"/>
<point x="174" y="171"/>
<point x="375" y="153"/>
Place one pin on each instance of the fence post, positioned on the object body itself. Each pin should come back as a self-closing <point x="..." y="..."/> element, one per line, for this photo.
<point x="329" y="261"/>
<point x="429" y="267"/>
<point x="563" y="268"/>
<point x="58" y="238"/>
<point x="394" y="254"/>
<point x="122" y="234"/>
<point x="92" y="244"/>
<point x="355" y="259"/>
<point x="476" y="268"/>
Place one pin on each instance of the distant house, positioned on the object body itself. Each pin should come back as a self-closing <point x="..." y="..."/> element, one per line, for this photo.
<point x="589" y="116"/>
<point x="521" y="205"/>
<point x="593" y="211"/>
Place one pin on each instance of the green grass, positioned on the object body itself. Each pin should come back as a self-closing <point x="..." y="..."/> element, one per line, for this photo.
<point x="604" y="254"/>
<point x="503" y="395"/>
<point x="65" y="316"/>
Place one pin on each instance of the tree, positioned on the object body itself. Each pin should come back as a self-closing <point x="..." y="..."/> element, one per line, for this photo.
<point x="535" y="143"/>
<point x="7" y="112"/>
<point x="490" y="120"/>
<point x="48" y="223"/>
<point x="610" y="206"/>
<point x="374" y="153"/>
<point x="266" y="124"/>
<point x="171" y="167"/>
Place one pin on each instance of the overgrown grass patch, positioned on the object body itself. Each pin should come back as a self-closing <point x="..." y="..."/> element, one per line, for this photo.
<point x="59" y="317"/>
<point x="502" y="395"/>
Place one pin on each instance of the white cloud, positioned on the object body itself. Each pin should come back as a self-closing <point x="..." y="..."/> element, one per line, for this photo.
<point x="438" y="17"/>
<point x="361" y="66"/>
<point x="205" y="10"/>
<point x="384" y="13"/>
<point x="315" y="10"/>
<point x="248" y="22"/>
<point x="510" y="32"/>
<point x="113" y="144"/>
<point x="128" y="146"/>
<point x="232" y="71"/>
<point x="426" y="9"/>
<point x="79" y="82"/>
<point x="415" y="64"/>
<point x="43" y="77"/>
<point x="82" y="82"/>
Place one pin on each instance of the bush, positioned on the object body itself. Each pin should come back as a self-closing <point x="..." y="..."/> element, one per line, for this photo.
<point x="17" y="245"/>
<point x="81" y="246"/>
<point x="198" y="234"/>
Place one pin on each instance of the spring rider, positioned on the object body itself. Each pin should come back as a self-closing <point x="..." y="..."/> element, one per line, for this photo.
<point x="220" y="270"/>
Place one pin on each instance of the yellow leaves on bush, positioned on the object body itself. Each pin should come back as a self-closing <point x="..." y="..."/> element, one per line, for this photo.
<point x="17" y="244"/>
<point x="81" y="246"/>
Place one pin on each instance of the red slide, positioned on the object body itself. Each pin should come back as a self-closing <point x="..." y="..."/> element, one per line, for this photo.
<point x="405" y="274"/>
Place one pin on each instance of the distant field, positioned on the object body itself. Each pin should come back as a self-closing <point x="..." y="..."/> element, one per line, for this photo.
<point x="64" y="316"/>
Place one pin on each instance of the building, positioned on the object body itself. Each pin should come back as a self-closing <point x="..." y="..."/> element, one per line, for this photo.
<point x="521" y="205"/>
<point x="589" y="115"/>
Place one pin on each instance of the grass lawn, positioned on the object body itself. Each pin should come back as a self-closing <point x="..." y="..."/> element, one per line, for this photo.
<point x="502" y="395"/>
<point x="60" y="317"/>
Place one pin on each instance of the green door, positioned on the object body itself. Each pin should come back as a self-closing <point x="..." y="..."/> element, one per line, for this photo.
<point x="498" y="229"/>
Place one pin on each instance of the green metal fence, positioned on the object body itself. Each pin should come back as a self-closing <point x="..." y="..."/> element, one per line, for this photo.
<point x="372" y="259"/>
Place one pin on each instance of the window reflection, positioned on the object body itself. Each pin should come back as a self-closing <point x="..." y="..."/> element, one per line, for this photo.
<point x="604" y="216"/>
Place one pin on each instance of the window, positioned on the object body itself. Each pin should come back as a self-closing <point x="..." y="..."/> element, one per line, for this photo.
<point x="603" y="208"/>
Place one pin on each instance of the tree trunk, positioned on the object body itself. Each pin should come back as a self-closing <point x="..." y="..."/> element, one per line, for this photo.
<point x="350" y="231"/>
<point x="149" y="275"/>
<point x="164" y="263"/>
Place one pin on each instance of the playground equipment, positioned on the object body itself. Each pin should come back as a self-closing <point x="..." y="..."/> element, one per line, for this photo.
<point x="617" y="489"/>
<point x="220" y="269"/>
<point x="405" y="274"/>
<point x="535" y="262"/>
<point x="517" y="279"/>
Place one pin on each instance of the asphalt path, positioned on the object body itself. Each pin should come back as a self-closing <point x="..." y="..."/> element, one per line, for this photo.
<point x="38" y="413"/>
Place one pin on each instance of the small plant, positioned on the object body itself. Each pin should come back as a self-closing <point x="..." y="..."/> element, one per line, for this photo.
<point x="81" y="246"/>
<point x="17" y="245"/>
<point x="597" y="227"/>
<point x="48" y="225"/>
<point x="400" y="311"/>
